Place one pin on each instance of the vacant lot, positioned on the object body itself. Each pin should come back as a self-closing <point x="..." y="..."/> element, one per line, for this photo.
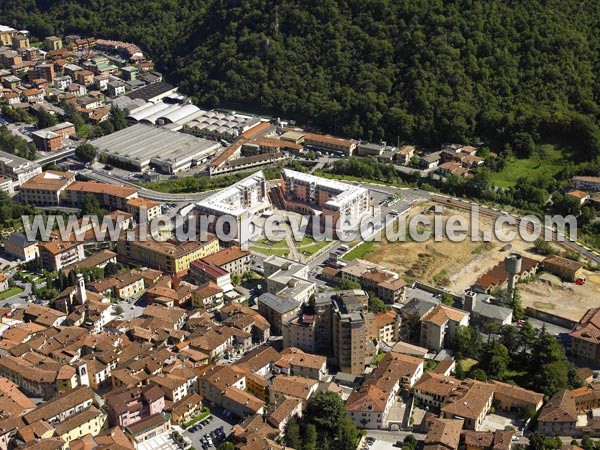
<point x="455" y="265"/>
<point x="546" y="162"/>
<point x="548" y="293"/>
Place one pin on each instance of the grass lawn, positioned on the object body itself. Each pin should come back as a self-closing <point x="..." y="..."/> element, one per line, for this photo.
<point x="10" y="292"/>
<point x="546" y="165"/>
<point x="271" y="251"/>
<point x="203" y="415"/>
<point x="467" y="364"/>
<point x="377" y="358"/>
<point x="360" y="251"/>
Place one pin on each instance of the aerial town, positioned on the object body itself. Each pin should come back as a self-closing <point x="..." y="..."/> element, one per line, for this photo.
<point x="154" y="343"/>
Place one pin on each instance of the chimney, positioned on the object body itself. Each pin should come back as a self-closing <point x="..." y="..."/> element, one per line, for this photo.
<point x="80" y="289"/>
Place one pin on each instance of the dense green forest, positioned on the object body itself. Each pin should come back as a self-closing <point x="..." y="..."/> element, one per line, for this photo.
<point x="517" y="72"/>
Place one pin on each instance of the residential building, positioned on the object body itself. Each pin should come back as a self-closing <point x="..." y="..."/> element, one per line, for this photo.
<point x="128" y="406"/>
<point x="369" y="405"/>
<point x="208" y="296"/>
<point x="470" y="401"/>
<point x="443" y="434"/>
<point x="334" y="204"/>
<point x="559" y="415"/>
<point x="277" y="309"/>
<point x="122" y="286"/>
<point x="283" y="411"/>
<point x="46" y="188"/>
<point x="53" y="43"/>
<point x="56" y="255"/>
<point x="481" y="308"/>
<point x="232" y="259"/>
<point x="186" y="408"/>
<point x="288" y="278"/>
<point x="387" y="285"/>
<point x="170" y="256"/>
<point x="291" y="386"/>
<point x="17" y="168"/>
<point x="51" y="138"/>
<point x="6" y="186"/>
<point x="108" y="195"/>
<point x="238" y="201"/>
<point x="18" y="246"/>
<point x="350" y="330"/>
<point x="585" y="342"/>
<point x="488" y="440"/>
<point x="202" y="272"/>
<point x="294" y="361"/>
<point x="439" y="325"/>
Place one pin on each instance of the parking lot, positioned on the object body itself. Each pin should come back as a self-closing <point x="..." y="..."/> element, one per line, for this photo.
<point x="218" y="421"/>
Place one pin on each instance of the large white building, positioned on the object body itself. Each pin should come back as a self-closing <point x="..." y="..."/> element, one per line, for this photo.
<point x="321" y="197"/>
<point x="237" y="202"/>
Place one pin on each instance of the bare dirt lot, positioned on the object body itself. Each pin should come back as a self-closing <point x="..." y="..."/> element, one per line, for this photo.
<point x="548" y="293"/>
<point x="457" y="265"/>
<point x="454" y="265"/>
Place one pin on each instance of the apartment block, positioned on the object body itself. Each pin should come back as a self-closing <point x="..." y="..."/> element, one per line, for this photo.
<point x="350" y="330"/>
<point x="56" y="255"/>
<point x="439" y="325"/>
<point x="169" y="256"/>
<point x="46" y="188"/>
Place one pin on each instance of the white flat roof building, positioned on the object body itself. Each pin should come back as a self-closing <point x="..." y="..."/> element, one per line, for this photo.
<point x="142" y="147"/>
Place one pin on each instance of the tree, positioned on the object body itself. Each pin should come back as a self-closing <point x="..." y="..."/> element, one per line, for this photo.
<point x="86" y="153"/>
<point x="494" y="360"/>
<point x="117" y="118"/>
<point x="45" y="119"/>
<point x="376" y="305"/>
<point x="467" y="342"/>
<point x="517" y="306"/>
<point x="410" y="443"/>
<point x="226" y="446"/>
<point x="119" y="310"/>
<point x="310" y="437"/>
<point x="447" y="299"/>
<point x="111" y="269"/>
<point x="292" y="434"/>
<point x="91" y="206"/>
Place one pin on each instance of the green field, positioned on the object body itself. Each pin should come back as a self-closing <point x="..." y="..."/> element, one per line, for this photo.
<point x="10" y="292"/>
<point x="360" y="251"/>
<point x="548" y="164"/>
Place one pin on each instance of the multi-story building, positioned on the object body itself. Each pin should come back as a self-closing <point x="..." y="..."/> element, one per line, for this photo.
<point x="387" y="285"/>
<point x="335" y="205"/>
<point x="170" y="256"/>
<point x="232" y="259"/>
<point x="56" y="255"/>
<point x="46" y="188"/>
<point x="235" y="203"/>
<point x="350" y="330"/>
<point x="51" y="138"/>
<point x="439" y="325"/>
<point x="17" y="168"/>
<point x="329" y="143"/>
<point x="559" y="415"/>
<point x="53" y="43"/>
<point x="288" y="278"/>
<point x="20" y="247"/>
<point x="277" y="310"/>
<point x="123" y="286"/>
<point x="142" y="209"/>
<point x="128" y="406"/>
<point x="108" y="195"/>
<point x="369" y="406"/>
<point x="584" y="337"/>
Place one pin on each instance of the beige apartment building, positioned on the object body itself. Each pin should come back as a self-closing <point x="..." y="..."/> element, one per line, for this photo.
<point x="46" y="188"/>
<point x="439" y="325"/>
<point x="350" y="330"/>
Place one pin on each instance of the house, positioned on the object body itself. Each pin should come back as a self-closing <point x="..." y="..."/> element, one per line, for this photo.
<point x="128" y="406"/>
<point x="565" y="268"/>
<point x="18" y="246"/>
<point x="32" y="95"/>
<point x="208" y="296"/>
<point x="559" y="415"/>
<point x="404" y="154"/>
<point x="186" y="408"/>
<point x="329" y="143"/>
<point x="294" y="361"/>
<point x="370" y="404"/>
<point x="443" y="434"/>
<point x="470" y="401"/>
<point x="430" y="161"/>
<point x="279" y="416"/>
<point x="292" y="386"/>
<point x="585" y="337"/>
<point x="439" y="325"/>
<point x="122" y="286"/>
<point x="148" y="428"/>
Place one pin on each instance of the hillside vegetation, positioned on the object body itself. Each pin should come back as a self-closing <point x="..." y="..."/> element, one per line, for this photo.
<point x="521" y="72"/>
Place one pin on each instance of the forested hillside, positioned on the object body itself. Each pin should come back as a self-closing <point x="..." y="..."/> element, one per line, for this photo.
<point x="519" y="71"/>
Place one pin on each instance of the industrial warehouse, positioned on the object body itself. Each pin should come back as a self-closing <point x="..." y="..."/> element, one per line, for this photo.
<point x="142" y="147"/>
